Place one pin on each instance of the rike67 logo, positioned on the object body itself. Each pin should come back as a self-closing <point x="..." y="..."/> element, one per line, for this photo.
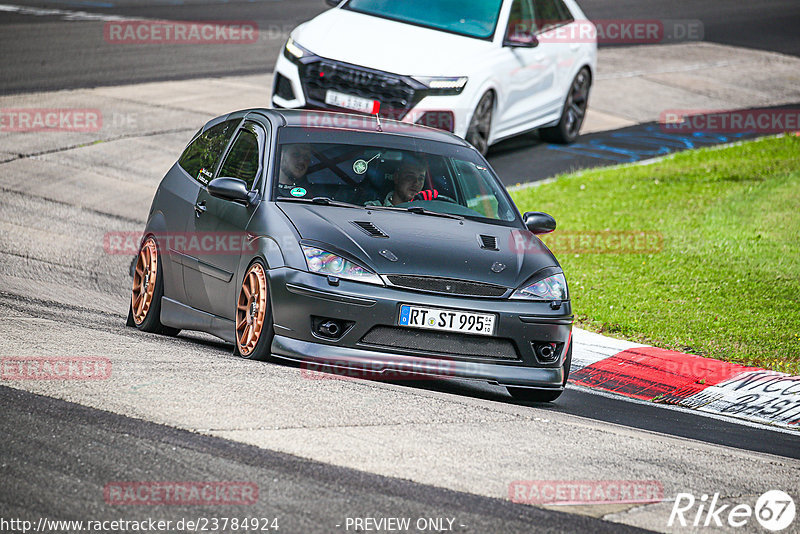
<point x="774" y="510"/>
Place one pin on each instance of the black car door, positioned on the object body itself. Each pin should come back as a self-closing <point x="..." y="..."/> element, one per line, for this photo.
<point x="177" y="195"/>
<point x="219" y="227"/>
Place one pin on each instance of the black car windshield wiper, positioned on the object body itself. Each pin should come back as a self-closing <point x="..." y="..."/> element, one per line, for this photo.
<point x="419" y="210"/>
<point x="326" y="201"/>
<point x="321" y="200"/>
<point x="423" y="211"/>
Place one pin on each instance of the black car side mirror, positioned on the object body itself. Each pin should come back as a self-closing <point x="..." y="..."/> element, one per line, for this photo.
<point x="332" y="3"/>
<point x="538" y="222"/>
<point x="229" y="189"/>
<point x="521" y="40"/>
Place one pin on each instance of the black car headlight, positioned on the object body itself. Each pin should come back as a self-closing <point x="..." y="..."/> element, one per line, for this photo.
<point x="294" y="52"/>
<point x="328" y="264"/>
<point x="554" y="287"/>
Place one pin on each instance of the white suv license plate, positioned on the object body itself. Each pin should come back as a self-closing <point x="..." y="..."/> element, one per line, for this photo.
<point x="448" y="320"/>
<point x="356" y="103"/>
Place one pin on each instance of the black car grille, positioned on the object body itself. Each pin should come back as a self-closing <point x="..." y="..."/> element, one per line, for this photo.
<point x="396" y="96"/>
<point x="441" y="343"/>
<point x="447" y="286"/>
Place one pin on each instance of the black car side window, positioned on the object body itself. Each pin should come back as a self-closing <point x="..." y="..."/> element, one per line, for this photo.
<point x="243" y="159"/>
<point x="201" y="156"/>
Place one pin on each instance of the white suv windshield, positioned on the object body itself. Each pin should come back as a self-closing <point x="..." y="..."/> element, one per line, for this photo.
<point x="387" y="177"/>
<point x="473" y="18"/>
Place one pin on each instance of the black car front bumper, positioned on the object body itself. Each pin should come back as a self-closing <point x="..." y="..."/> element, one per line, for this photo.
<point x="372" y="340"/>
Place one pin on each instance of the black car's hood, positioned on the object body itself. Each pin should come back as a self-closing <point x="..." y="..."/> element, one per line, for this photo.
<point x="424" y="245"/>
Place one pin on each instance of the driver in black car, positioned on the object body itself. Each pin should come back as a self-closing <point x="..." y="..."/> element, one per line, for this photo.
<point x="409" y="178"/>
<point x="295" y="160"/>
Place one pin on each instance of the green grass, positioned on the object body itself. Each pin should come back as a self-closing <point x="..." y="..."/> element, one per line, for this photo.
<point x="727" y="282"/>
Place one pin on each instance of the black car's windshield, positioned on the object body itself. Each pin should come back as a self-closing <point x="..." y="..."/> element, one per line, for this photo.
<point x="381" y="177"/>
<point x="475" y="18"/>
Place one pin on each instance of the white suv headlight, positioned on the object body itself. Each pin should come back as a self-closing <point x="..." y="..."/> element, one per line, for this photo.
<point x="293" y="51"/>
<point x="443" y="84"/>
<point x="325" y="263"/>
<point x="551" y="288"/>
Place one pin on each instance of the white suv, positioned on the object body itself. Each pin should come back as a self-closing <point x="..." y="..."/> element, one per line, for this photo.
<point x="483" y="69"/>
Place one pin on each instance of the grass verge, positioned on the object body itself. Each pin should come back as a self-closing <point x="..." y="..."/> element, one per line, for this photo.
<point x="721" y="277"/>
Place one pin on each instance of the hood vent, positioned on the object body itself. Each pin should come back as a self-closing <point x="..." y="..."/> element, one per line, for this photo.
<point x="488" y="242"/>
<point x="370" y="229"/>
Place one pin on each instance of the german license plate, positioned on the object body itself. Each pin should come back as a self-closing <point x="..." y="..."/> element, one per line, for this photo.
<point x="356" y="103"/>
<point x="466" y="322"/>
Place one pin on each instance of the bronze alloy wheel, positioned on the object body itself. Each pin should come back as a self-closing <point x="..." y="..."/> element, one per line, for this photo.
<point x="251" y="309"/>
<point x="144" y="281"/>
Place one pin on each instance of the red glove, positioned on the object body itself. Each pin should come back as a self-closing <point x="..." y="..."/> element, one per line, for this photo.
<point x="426" y="194"/>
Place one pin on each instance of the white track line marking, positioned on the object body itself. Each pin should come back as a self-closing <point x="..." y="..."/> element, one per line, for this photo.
<point x="62" y="13"/>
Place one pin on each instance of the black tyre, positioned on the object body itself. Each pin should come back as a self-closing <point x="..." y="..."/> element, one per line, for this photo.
<point x="254" y="326"/>
<point x="534" y="395"/>
<point x="568" y="128"/>
<point x="480" y="125"/>
<point x="144" y="311"/>
<point x="542" y="395"/>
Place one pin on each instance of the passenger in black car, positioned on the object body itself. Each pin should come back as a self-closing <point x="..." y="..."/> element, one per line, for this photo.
<point x="295" y="160"/>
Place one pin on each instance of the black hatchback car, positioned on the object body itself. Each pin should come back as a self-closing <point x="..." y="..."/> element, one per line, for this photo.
<point x="352" y="242"/>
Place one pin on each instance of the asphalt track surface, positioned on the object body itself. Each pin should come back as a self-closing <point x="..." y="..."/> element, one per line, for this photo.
<point x="763" y="25"/>
<point x="52" y="46"/>
<point x="50" y="52"/>
<point x="57" y="458"/>
<point x="644" y="416"/>
<point x="599" y="149"/>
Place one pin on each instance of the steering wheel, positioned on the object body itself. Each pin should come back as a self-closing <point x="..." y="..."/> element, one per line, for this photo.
<point x="444" y="198"/>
